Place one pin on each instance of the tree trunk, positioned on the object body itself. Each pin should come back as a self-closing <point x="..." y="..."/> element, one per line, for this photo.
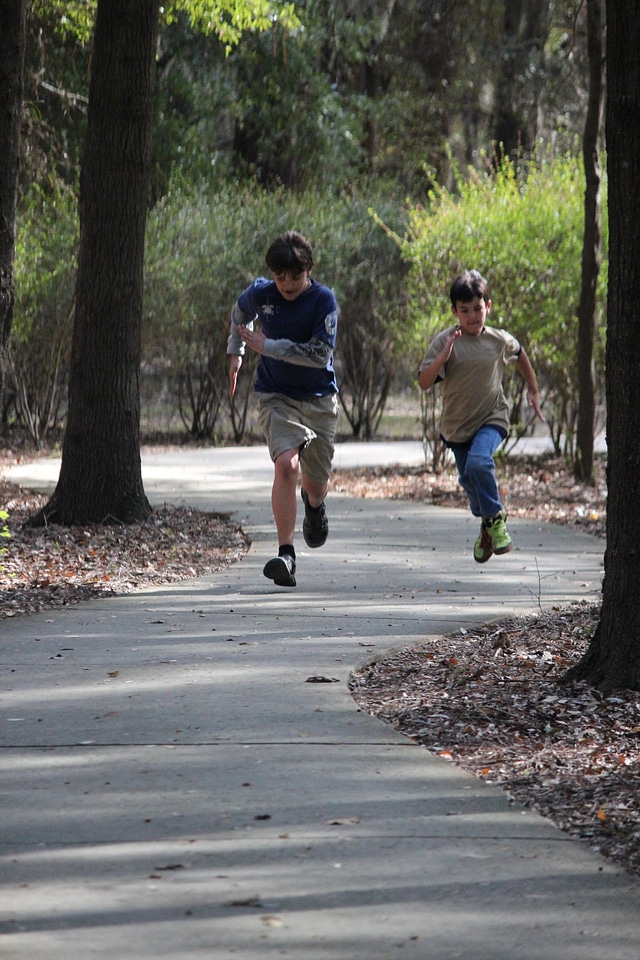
<point x="100" y="478"/>
<point x="524" y="33"/>
<point x="591" y="253"/>
<point x="613" y="658"/>
<point x="12" y="48"/>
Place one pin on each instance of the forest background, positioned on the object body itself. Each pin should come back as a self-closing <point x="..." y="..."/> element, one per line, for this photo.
<point x="406" y="140"/>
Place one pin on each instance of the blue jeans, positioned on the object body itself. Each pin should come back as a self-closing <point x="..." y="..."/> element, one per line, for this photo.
<point x="476" y="470"/>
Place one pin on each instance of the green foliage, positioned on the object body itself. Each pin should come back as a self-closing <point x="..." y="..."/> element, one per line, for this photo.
<point x="201" y="251"/>
<point x="229" y="19"/>
<point x="41" y="336"/>
<point x="522" y="228"/>
<point x="312" y="93"/>
<point x="67" y="17"/>
<point x="368" y="275"/>
<point x="286" y="116"/>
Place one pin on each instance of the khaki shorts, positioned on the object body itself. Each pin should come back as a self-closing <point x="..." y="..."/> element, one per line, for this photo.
<point x="305" y="425"/>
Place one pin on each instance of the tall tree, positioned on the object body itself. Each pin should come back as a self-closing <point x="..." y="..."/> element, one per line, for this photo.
<point x="591" y="246"/>
<point x="613" y="657"/>
<point x="12" y="48"/>
<point x="100" y="478"/>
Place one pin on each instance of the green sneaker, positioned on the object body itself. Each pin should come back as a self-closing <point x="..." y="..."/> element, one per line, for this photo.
<point x="500" y="539"/>
<point x="483" y="547"/>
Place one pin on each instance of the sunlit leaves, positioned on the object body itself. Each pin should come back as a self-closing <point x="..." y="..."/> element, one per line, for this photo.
<point x="227" y="19"/>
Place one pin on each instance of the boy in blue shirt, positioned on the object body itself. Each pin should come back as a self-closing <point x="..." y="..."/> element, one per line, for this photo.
<point x="296" y="388"/>
<point x="470" y="359"/>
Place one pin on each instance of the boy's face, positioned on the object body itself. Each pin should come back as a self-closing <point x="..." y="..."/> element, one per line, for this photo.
<point x="291" y="284"/>
<point x="472" y="315"/>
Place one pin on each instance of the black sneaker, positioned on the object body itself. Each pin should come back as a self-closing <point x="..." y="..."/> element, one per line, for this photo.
<point x="315" y="526"/>
<point x="282" y="570"/>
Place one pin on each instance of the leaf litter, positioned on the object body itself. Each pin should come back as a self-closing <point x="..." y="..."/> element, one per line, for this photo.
<point x="47" y="567"/>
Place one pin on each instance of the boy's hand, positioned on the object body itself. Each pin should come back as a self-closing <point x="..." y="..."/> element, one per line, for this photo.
<point x="428" y="376"/>
<point x="253" y="338"/>
<point x="448" y="347"/>
<point x="533" y="398"/>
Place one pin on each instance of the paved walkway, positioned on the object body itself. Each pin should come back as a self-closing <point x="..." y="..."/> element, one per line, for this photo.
<point x="174" y="788"/>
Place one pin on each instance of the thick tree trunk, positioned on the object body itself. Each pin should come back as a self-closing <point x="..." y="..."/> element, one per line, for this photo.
<point x="12" y="48"/>
<point x="100" y="479"/>
<point x="591" y="254"/>
<point x="613" y="658"/>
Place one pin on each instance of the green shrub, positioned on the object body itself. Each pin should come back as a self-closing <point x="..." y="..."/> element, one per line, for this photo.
<point x="45" y="268"/>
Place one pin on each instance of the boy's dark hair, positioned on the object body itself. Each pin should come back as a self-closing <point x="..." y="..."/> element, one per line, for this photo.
<point x="290" y="252"/>
<point x="468" y="285"/>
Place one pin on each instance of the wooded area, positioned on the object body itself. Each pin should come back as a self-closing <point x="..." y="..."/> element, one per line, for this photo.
<point x="337" y="112"/>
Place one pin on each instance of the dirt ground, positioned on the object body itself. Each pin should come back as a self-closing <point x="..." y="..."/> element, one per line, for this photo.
<point x="491" y="701"/>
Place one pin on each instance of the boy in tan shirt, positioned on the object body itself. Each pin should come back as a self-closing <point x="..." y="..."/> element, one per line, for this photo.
<point x="470" y="359"/>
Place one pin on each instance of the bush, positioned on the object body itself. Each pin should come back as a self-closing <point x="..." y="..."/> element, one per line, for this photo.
<point x="45" y="266"/>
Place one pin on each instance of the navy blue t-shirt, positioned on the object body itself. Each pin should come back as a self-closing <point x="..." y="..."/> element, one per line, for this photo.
<point x="312" y="315"/>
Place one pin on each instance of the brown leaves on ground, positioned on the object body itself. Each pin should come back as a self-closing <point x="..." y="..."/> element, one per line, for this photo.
<point x="46" y="567"/>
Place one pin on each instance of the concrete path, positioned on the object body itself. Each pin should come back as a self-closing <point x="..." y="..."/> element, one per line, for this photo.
<point x="176" y="786"/>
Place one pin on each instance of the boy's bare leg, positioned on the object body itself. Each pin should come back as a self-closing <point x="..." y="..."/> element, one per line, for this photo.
<point x="283" y="495"/>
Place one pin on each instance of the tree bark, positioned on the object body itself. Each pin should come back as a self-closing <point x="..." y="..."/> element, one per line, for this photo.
<point x="12" y="48"/>
<point x="100" y="478"/>
<point x="591" y="252"/>
<point x="525" y="26"/>
<point x="612" y="660"/>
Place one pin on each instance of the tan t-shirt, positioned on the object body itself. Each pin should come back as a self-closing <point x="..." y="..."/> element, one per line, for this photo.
<point x="472" y="394"/>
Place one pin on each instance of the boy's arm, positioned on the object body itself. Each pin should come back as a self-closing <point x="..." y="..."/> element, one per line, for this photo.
<point x="533" y="394"/>
<point x="429" y="374"/>
<point x="315" y="352"/>
<point x="235" y="341"/>
<point x="235" y="344"/>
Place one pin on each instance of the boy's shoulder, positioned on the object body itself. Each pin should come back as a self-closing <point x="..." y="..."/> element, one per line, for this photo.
<point x="501" y="334"/>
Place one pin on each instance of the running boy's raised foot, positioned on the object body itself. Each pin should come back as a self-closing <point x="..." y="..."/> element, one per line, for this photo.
<point x="315" y="526"/>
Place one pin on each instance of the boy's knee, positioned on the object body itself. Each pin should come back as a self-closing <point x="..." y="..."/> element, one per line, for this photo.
<point x="287" y="463"/>
<point x="479" y="466"/>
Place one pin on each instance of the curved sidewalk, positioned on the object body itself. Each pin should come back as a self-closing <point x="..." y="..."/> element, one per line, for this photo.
<point x="175" y="787"/>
